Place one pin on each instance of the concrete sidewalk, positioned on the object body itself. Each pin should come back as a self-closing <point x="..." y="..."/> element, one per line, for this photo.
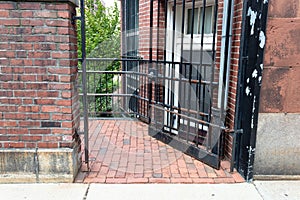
<point x="275" y="190"/>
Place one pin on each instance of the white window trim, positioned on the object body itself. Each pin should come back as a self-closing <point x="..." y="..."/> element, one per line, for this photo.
<point x="199" y="7"/>
<point x="208" y="38"/>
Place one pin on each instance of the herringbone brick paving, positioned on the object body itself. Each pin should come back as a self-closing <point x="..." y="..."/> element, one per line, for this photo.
<point x="122" y="152"/>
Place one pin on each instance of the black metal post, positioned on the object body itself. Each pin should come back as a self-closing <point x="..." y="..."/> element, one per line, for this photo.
<point x="84" y="85"/>
<point x="251" y="60"/>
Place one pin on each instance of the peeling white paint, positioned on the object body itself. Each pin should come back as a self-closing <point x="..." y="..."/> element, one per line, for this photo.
<point x="249" y="11"/>
<point x="262" y="39"/>
<point x="247" y="90"/>
<point x="262" y="66"/>
<point x="254" y="73"/>
<point x="253" y="112"/>
<point x="248" y="80"/>
<point x="266" y="1"/>
<point x="253" y="106"/>
<point x="259" y="79"/>
<point x="251" y="152"/>
<point x="253" y="16"/>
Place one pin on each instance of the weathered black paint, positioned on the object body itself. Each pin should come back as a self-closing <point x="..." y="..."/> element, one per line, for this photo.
<point x="249" y="84"/>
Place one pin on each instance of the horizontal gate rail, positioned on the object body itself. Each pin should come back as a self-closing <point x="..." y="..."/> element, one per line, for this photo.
<point x="116" y="93"/>
<point x="192" y="118"/>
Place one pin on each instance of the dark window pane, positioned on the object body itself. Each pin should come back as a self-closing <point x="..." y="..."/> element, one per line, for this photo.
<point x="190" y="17"/>
<point x="207" y="20"/>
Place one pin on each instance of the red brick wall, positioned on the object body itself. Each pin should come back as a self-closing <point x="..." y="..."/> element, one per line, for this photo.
<point x="144" y="28"/>
<point x="39" y="105"/>
<point x="236" y="32"/>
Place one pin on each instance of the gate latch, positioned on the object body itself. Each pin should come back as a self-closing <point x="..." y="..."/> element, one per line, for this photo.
<point x="239" y="131"/>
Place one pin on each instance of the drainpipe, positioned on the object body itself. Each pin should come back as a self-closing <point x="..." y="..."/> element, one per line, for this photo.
<point x="226" y="44"/>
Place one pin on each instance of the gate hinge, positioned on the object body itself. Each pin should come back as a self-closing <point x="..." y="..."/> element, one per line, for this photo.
<point x="245" y="58"/>
<point x="236" y="132"/>
<point x="74" y="18"/>
<point x="239" y="131"/>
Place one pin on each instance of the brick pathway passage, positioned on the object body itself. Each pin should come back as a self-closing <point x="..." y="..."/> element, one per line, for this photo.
<point x="122" y="152"/>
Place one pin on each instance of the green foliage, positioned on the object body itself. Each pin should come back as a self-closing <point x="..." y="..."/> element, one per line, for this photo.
<point x="102" y="25"/>
<point x="102" y="41"/>
<point x="106" y="86"/>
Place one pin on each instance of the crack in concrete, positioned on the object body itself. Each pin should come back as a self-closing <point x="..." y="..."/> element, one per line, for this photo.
<point x="86" y="192"/>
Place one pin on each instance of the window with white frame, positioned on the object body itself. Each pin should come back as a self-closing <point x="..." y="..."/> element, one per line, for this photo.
<point x="184" y="46"/>
<point x="198" y="15"/>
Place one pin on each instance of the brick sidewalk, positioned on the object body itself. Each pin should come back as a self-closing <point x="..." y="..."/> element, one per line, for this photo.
<point x="122" y="152"/>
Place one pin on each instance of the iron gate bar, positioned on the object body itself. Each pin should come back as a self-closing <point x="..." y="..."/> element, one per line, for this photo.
<point x="84" y="82"/>
<point x="195" y="119"/>
<point x="198" y="65"/>
<point x="181" y="61"/>
<point x="142" y="60"/>
<point x="171" y="68"/>
<point x="201" y="54"/>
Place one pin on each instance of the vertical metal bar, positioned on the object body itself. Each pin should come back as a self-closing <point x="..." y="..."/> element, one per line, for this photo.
<point x="149" y="85"/>
<point x="156" y="82"/>
<point x="198" y="95"/>
<point x="203" y="68"/>
<point x="216" y="7"/>
<point x="146" y="91"/>
<point x="190" y="67"/>
<point x="202" y="49"/>
<point x="171" y="94"/>
<point x="192" y="31"/>
<point x="151" y="33"/>
<point x="106" y="91"/>
<point x="163" y="100"/>
<point x="84" y="85"/>
<point x="158" y="32"/>
<point x="138" y="80"/>
<point x="118" y="91"/>
<point x="94" y="86"/>
<point x="166" y="26"/>
<point x="100" y="97"/>
<point x="180" y="98"/>
<point x="213" y="64"/>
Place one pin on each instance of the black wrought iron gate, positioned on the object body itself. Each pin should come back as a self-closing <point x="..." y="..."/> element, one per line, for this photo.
<point x="174" y="85"/>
